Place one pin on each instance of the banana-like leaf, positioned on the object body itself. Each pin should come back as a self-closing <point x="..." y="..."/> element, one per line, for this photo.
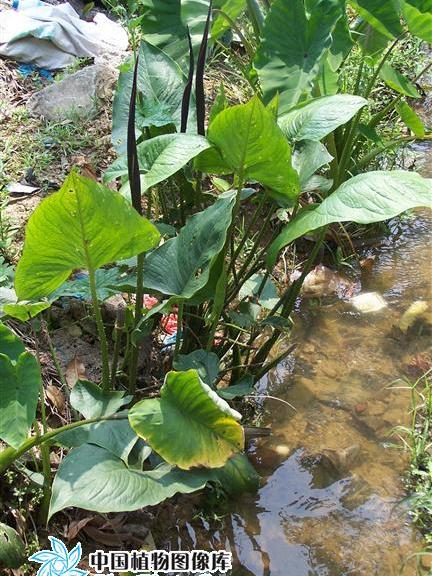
<point x="160" y="157"/>
<point x="398" y="82"/>
<point x="93" y="478"/>
<point x="384" y="16"/>
<point x="189" y="425"/>
<point x="181" y="266"/>
<point x="410" y="119"/>
<point x="314" y="119"/>
<point x="293" y="44"/>
<point x="84" y="225"/>
<point x="249" y="143"/>
<point x="160" y="86"/>
<point x="366" y="198"/>
<point x="20" y="381"/>
<point x="418" y="16"/>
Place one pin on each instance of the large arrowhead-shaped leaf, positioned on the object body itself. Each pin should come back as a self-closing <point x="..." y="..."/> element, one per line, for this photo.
<point x="114" y="435"/>
<point x="84" y="225"/>
<point x="204" y="362"/>
<point x="10" y="344"/>
<point x="237" y="476"/>
<point x="160" y="85"/>
<point x="384" y="16"/>
<point x="189" y="425"/>
<point x="418" y="15"/>
<point x="181" y="266"/>
<point x="292" y="46"/>
<point x="314" y="119"/>
<point x="20" y="382"/>
<point x="250" y="144"/>
<point x="93" y="478"/>
<point x="160" y="157"/>
<point x="93" y="402"/>
<point x="164" y="24"/>
<point x="366" y="198"/>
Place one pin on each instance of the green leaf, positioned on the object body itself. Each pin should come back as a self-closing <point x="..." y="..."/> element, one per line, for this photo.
<point x="12" y="549"/>
<point x="204" y="362"/>
<point x="164" y="24"/>
<point x="293" y="43"/>
<point x="342" y="42"/>
<point x="93" y="478"/>
<point x="160" y="157"/>
<point x="242" y="388"/>
<point x="314" y="119"/>
<point x="84" y="225"/>
<point x="372" y="42"/>
<point x="232" y="8"/>
<point x="114" y="435"/>
<point x="23" y="311"/>
<point x="108" y="282"/>
<point x="20" y="382"/>
<point x="269" y="295"/>
<point x="219" y="104"/>
<point x="418" y="16"/>
<point x="309" y="156"/>
<point x="10" y="344"/>
<point x="398" y="82"/>
<point x="251" y="145"/>
<point x="93" y="402"/>
<point x="366" y="198"/>
<point x="384" y="16"/>
<point x="186" y="403"/>
<point x="160" y="85"/>
<point x="181" y="266"/>
<point x="410" y="119"/>
<point x="237" y="476"/>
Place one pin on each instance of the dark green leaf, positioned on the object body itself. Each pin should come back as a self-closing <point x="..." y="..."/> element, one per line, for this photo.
<point x="93" y="402"/>
<point x="10" y="344"/>
<point x="384" y="16"/>
<point x="204" y="362"/>
<point x="398" y="82"/>
<point x="242" y="388"/>
<point x="186" y="403"/>
<point x="12" y="549"/>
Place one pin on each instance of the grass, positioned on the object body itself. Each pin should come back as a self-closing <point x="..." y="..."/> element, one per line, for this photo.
<point x="417" y="440"/>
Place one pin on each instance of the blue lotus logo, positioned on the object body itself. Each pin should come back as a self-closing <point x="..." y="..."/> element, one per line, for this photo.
<point x="58" y="561"/>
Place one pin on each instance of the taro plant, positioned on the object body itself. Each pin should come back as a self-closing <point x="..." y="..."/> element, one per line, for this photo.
<point x="122" y="459"/>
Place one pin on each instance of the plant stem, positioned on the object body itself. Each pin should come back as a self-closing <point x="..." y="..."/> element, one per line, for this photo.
<point x="118" y="333"/>
<point x="133" y="365"/>
<point x="179" y="330"/>
<point x="9" y="455"/>
<point x="45" y="455"/>
<point x="101" y="331"/>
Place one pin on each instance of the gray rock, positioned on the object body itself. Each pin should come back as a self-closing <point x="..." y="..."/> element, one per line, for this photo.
<point x="77" y="94"/>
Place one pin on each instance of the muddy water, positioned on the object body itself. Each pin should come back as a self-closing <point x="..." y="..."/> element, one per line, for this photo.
<point x="329" y="504"/>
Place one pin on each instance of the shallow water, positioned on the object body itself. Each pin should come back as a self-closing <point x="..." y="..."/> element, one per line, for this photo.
<point x="329" y="504"/>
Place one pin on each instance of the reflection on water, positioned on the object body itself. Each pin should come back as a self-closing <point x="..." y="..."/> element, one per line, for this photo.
<point x="330" y="500"/>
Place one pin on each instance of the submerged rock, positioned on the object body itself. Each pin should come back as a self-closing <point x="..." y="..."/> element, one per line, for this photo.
<point x="322" y="281"/>
<point x="368" y="302"/>
<point x="416" y="310"/>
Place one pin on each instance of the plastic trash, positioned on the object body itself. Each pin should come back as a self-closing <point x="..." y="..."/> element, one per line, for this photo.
<point x="51" y="37"/>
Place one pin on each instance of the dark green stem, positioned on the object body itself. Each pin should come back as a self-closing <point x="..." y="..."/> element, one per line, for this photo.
<point x="101" y="331"/>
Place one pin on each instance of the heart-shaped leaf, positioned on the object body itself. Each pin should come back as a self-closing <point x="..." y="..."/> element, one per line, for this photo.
<point x="20" y="383"/>
<point x="84" y="225"/>
<point x="418" y="15"/>
<point x="249" y="143"/>
<point x="93" y="402"/>
<point x="10" y="344"/>
<point x="293" y="44"/>
<point x="181" y="266"/>
<point x="160" y="157"/>
<point x="93" y="478"/>
<point x="186" y="403"/>
<point x="366" y="198"/>
<point x="204" y="362"/>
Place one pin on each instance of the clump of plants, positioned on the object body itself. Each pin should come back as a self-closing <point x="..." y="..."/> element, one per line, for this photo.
<point x="208" y="199"/>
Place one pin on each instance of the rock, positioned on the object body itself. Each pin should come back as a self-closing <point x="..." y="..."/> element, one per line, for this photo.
<point x="321" y="281"/>
<point x="415" y="311"/>
<point x="341" y="460"/>
<point x="368" y="302"/>
<point x="75" y="94"/>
